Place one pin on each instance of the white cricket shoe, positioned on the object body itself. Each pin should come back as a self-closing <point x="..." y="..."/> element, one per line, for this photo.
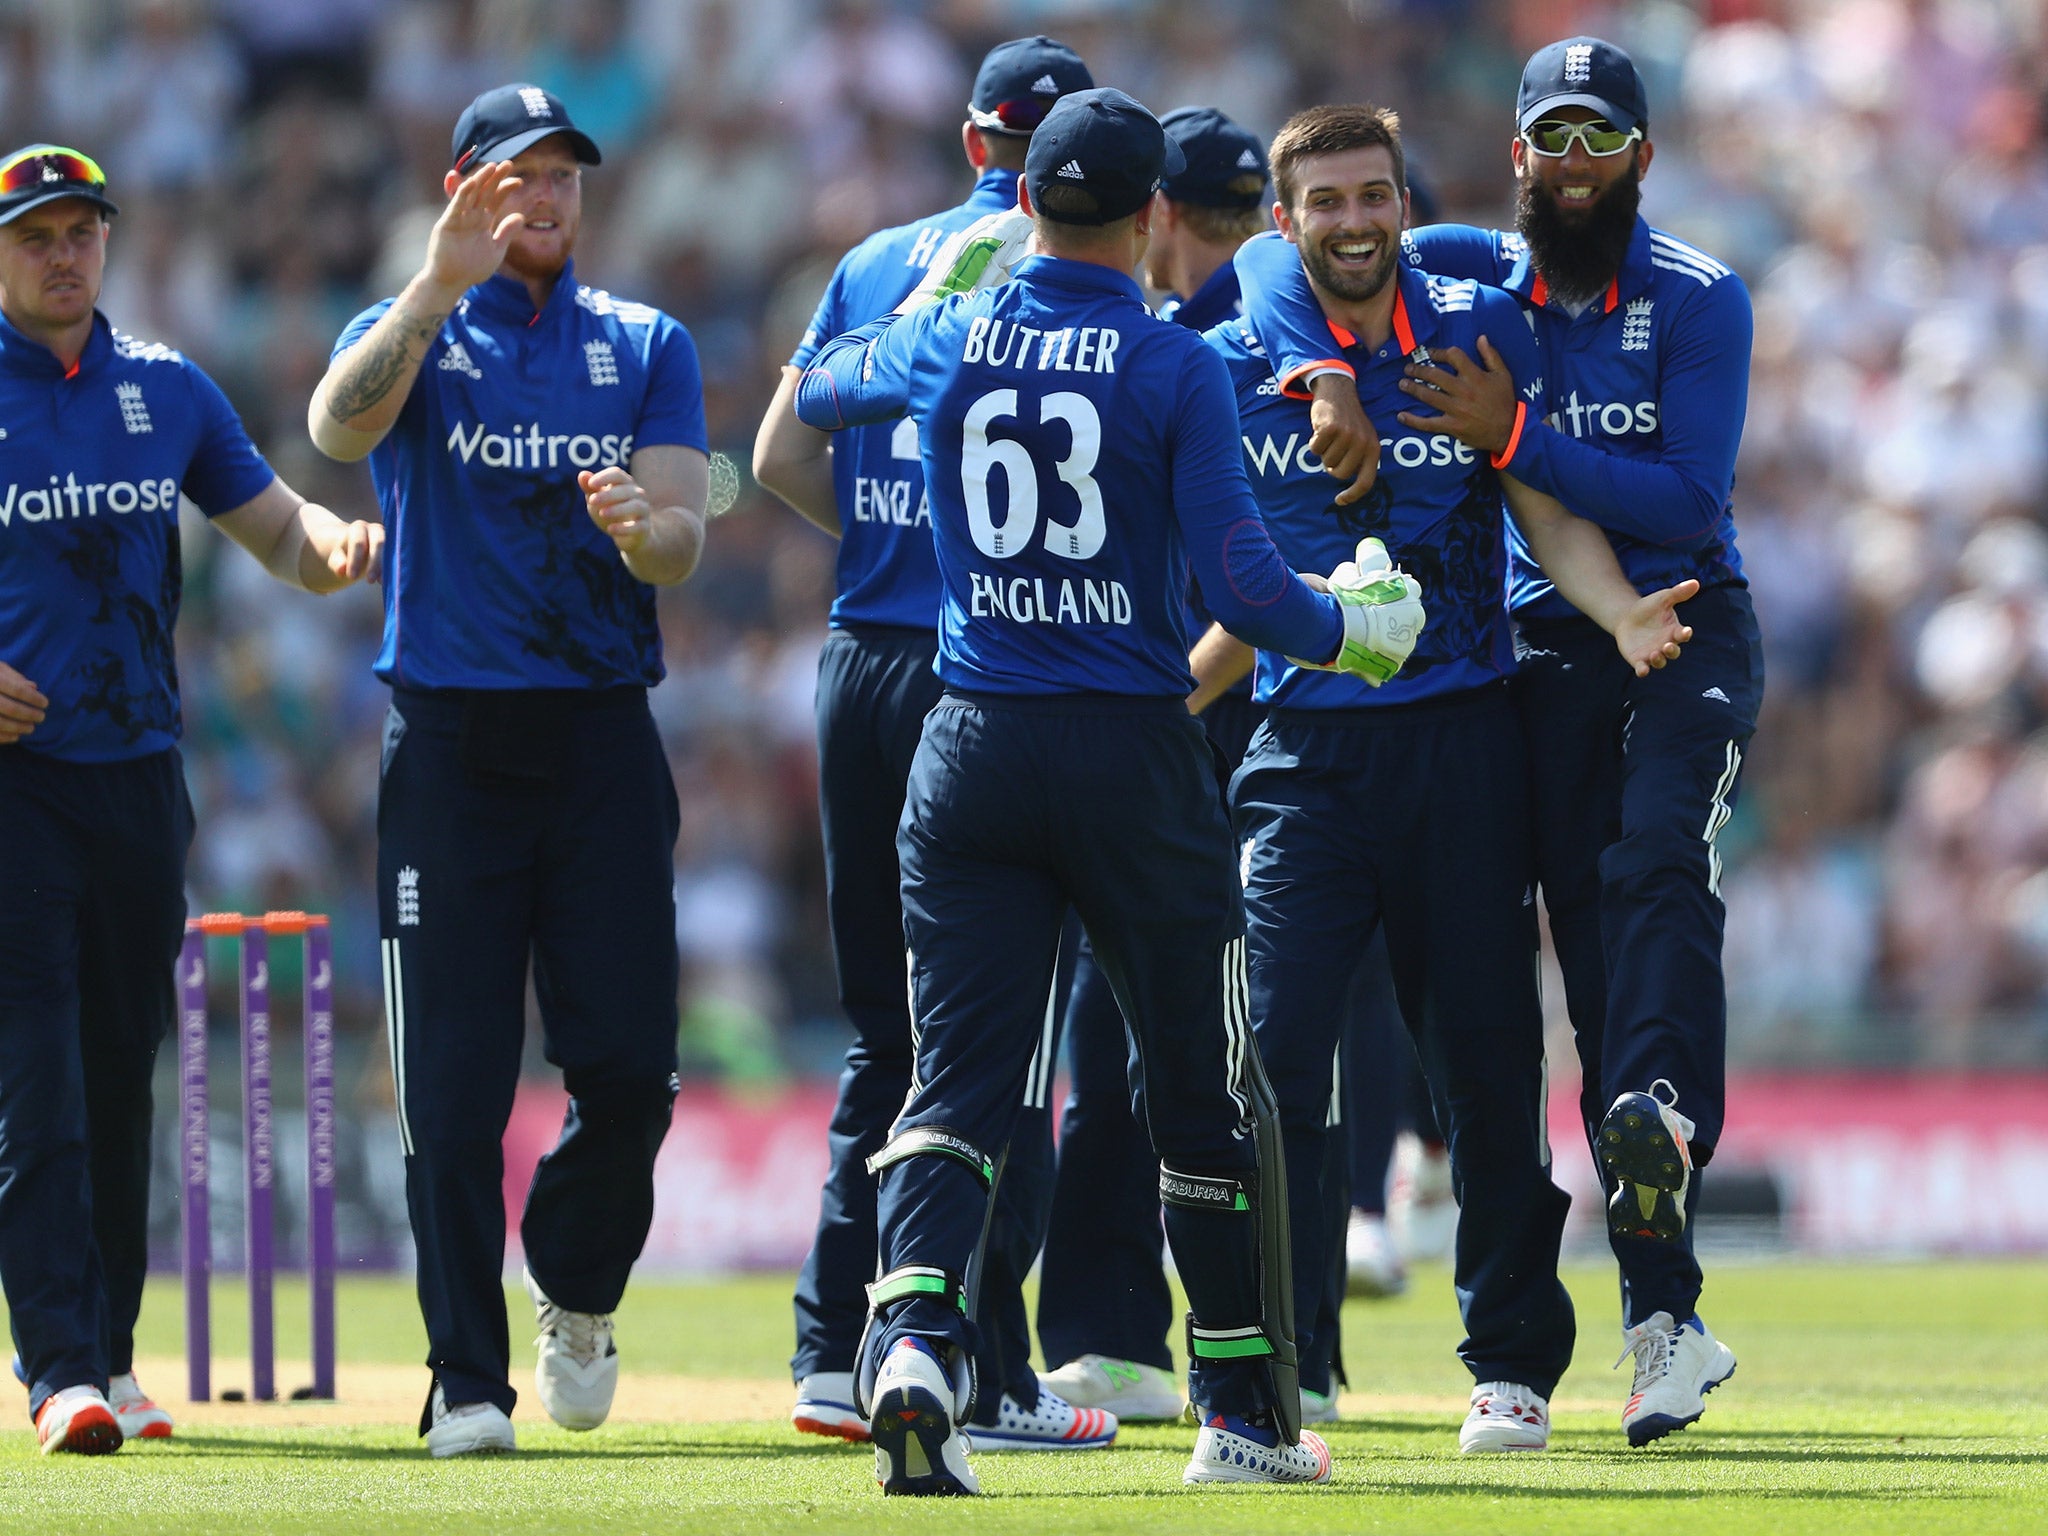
<point x="1422" y="1203"/>
<point x="1231" y="1451"/>
<point x="917" y="1448"/>
<point x="1054" y="1425"/>
<point x="139" y="1418"/>
<point x="578" y="1368"/>
<point x="78" y="1420"/>
<point x="1506" y="1416"/>
<point x="1646" y="1154"/>
<point x="1677" y="1365"/>
<point x="1372" y="1266"/>
<point x="825" y="1406"/>
<point x="1130" y="1389"/>
<point x="467" y="1429"/>
<point x="1319" y="1407"/>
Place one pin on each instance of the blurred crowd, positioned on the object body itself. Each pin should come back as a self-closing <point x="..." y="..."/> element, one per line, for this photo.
<point x="1876" y="169"/>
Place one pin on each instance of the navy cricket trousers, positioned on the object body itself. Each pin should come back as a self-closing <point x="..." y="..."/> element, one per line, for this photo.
<point x="1016" y="809"/>
<point x="875" y="687"/>
<point x="1633" y="779"/>
<point x="1413" y="817"/>
<point x="92" y="911"/>
<point x="513" y="827"/>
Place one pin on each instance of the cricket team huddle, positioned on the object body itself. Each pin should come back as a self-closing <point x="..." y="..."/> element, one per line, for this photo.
<point x="1379" y="581"/>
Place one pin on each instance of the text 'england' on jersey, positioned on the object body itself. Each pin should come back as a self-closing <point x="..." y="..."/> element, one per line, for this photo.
<point x="495" y="576"/>
<point x="91" y="469"/>
<point x="1435" y="503"/>
<point x="887" y="571"/>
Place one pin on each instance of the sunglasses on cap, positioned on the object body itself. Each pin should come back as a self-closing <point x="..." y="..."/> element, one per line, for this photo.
<point x="44" y="167"/>
<point x="1552" y="138"/>
<point x="1020" y="116"/>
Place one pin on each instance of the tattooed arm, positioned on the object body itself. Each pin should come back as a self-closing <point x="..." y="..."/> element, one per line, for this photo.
<point x="366" y="386"/>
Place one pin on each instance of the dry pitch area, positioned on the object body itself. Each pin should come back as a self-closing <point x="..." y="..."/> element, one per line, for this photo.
<point x="1871" y="1398"/>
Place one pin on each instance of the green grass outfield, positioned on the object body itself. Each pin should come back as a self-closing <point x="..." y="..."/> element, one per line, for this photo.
<point x="1871" y="1398"/>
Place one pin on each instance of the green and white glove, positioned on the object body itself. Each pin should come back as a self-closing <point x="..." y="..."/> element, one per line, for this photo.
<point x="979" y="256"/>
<point x="1383" y="617"/>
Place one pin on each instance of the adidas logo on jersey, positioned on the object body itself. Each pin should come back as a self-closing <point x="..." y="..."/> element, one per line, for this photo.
<point x="455" y="360"/>
<point x="1248" y="161"/>
<point x="1045" y="85"/>
<point x="1072" y="171"/>
<point x="134" y="414"/>
<point x="1716" y="695"/>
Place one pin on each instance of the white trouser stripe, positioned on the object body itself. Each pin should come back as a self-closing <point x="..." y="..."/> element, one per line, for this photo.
<point x="910" y="1002"/>
<point x="1038" y="1080"/>
<point x="1335" y="1117"/>
<point x="1236" y="1023"/>
<point x="1718" y="816"/>
<point x="394" y="1014"/>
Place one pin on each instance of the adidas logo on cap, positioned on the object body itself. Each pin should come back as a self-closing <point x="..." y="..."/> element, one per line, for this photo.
<point x="1072" y="171"/>
<point x="1249" y="160"/>
<point x="1045" y="85"/>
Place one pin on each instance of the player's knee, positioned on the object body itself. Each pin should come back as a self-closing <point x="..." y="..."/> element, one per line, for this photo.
<point x="1658" y="857"/>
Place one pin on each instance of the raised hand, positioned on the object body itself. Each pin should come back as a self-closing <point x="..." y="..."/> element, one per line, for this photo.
<point x="22" y="705"/>
<point x="469" y="239"/>
<point x="979" y="256"/>
<point x="1649" y="634"/>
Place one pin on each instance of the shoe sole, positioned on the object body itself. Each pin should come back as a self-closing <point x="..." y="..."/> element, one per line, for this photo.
<point x="91" y="1432"/>
<point x="157" y="1431"/>
<point x="987" y="1443"/>
<point x="1500" y="1449"/>
<point x="1213" y="1472"/>
<point x="910" y="1427"/>
<point x="1647" y="1169"/>
<point x="832" y="1423"/>
<point x="1657" y="1425"/>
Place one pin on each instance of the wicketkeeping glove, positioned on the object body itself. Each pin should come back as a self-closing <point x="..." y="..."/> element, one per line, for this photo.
<point x="1383" y="617"/>
<point x="979" y="256"/>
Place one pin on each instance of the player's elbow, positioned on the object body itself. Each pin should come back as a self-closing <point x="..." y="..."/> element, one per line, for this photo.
<point x="331" y="437"/>
<point x="1696" y="519"/>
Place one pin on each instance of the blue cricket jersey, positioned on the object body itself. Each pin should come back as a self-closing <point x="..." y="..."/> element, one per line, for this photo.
<point x="1082" y="457"/>
<point x="91" y="464"/>
<point x="494" y="574"/>
<point x="1436" y="504"/>
<point x="887" y="571"/>
<point x="1648" y="386"/>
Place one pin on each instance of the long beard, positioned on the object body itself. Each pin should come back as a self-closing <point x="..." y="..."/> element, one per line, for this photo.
<point x="1579" y="253"/>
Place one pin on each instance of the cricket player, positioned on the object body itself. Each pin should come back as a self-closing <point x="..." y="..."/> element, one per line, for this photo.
<point x="1410" y="800"/>
<point x="876" y="683"/>
<point x="101" y="435"/>
<point x="538" y="446"/>
<point x="1080" y="460"/>
<point x="1104" y="1306"/>
<point x="1645" y="346"/>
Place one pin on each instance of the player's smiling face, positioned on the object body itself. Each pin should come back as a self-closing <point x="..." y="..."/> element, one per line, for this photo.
<point x="51" y="261"/>
<point x="1575" y="182"/>
<point x="1348" y="214"/>
<point x="550" y="194"/>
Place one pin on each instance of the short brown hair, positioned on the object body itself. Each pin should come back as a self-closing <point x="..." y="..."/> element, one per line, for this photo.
<point x="1329" y="131"/>
<point x="1222" y="225"/>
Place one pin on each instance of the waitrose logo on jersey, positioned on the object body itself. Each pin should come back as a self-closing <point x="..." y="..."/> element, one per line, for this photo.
<point x="534" y="447"/>
<point x="66" y="498"/>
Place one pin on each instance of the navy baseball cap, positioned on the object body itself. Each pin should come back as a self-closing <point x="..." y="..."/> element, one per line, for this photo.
<point x="509" y="119"/>
<point x="1020" y="80"/>
<point x="42" y="173"/>
<point x="1105" y="144"/>
<point x="1226" y="165"/>
<point x="1583" y="72"/>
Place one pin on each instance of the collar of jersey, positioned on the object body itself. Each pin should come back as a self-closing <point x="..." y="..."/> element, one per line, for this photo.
<point x="20" y="355"/>
<point x="1212" y="303"/>
<point x="1631" y="281"/>
<point x="504" y="299"/>
<point x="1411" y="303"/>
<point x="1061" y="272"/>
<point x="994" y="190"/>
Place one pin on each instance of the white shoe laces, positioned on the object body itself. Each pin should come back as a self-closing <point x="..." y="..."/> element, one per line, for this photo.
<point x="1509" y="1395"/>
<point x="582" y="1335"/>
<point x="1652" y="1347"/>
<point x="1669" y="1099"/>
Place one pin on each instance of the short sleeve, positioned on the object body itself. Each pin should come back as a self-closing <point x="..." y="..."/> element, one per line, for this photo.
<point x="827" y="322"/>
<point x="225" y="471"/>
<point x="359" y="327"/>
<point x="673" y="411"/>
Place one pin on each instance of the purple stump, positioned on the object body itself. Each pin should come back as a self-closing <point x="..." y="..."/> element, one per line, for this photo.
<point x="193" y="1160"/>
<point x="320" y="1148"/>
<point x="257" y="1159"/>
